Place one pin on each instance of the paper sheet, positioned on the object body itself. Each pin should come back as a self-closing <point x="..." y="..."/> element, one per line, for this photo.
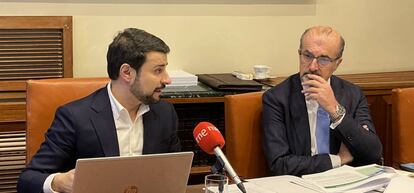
<point x="350" y="179"/>
<point x="400" y="184"/>
<point x="277" y="184"/>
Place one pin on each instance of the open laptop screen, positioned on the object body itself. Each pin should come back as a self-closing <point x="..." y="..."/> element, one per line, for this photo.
<point x="153" y="173"/>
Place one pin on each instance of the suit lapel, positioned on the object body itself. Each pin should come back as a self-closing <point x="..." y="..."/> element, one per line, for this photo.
<point x="299" y="116"/>
<point x="337" y="87"/>
<point x="151" y="122"/>
<point x="103" y="122"/>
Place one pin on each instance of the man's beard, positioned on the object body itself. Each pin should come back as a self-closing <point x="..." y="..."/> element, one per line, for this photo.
<point x="141" y="96"/>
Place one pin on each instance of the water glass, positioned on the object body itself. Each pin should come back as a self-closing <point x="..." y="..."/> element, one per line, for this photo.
<point x="216" y="183"/>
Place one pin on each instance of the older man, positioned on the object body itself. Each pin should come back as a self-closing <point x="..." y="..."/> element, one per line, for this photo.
<point x="314" y="121"/>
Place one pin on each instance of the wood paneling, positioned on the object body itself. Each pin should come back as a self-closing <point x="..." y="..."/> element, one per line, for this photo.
<point x="196" y="100"/>
<point x="12" y="159"/>
<point x="380" y="109"/>
<point x="35" y="47"/>
<point x="12" y="112"/>
<point x="30" y="48"/>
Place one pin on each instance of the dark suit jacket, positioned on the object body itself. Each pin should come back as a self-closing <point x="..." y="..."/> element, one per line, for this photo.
<point x="85" y="128"/>
<point x="286" y="131"/>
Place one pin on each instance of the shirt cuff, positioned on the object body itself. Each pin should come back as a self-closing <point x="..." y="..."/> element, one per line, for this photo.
<point x="47" y="185"/>
<point x="335" y="160"/>
<point x="334" y="125"/>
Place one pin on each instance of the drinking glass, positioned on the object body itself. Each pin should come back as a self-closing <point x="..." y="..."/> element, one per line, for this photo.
<point x="216" y="183"/>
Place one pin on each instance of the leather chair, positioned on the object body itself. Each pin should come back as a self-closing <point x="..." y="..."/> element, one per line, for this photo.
<point x="243" y="114"/>
<point x="43" y="97"/>
<point x="403" y="126"/>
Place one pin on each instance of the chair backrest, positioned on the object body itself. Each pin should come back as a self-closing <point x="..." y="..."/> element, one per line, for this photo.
<point x="43" y="97"/>
<point x="243" y="114"/>
<point x="403" y="126"/>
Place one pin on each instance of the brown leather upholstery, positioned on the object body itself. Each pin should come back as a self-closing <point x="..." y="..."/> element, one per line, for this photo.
<point x="403" y="126"/>
<point x="44" y="97"/>
<point x="243" y="113"/>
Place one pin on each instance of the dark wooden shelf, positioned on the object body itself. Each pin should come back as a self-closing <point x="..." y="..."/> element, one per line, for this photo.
<point x="200" y="170"/>
<point x="196" y="100"/>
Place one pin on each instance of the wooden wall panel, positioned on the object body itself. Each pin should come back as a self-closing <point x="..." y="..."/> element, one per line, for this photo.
<point x="30" y="48"/>
<point x="380" y="109"/>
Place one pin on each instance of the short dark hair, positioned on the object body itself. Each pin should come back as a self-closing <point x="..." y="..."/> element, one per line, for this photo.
<point x="130" y="46"/>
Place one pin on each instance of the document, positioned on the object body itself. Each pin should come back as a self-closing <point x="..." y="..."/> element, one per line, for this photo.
<point x="277" y="184"/>
<point x="182" y="78"/>
<point x="350" y="179"/>
<point x="400" y="184"/>
<point x="345" y="179"/>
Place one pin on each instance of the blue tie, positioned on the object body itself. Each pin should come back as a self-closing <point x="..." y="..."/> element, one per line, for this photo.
<point x="322" y="131"/>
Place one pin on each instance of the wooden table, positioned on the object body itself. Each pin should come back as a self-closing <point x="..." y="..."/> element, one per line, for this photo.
<point x="195" y="188"/>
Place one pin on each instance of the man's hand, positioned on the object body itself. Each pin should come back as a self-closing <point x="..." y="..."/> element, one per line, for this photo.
<point x="319" y="89"/>
<point x="63" y="182"/>
<point x="345" y="155"/>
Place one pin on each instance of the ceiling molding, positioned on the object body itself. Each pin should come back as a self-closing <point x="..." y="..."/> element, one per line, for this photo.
<point x="169" y="1"/>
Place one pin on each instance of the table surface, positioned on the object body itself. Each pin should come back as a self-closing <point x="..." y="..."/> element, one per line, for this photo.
<point x="199" y="187"/>
<point x="195" y="188"/>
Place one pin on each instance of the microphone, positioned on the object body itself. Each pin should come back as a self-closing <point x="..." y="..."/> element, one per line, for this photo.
<point x="210" y="140"/>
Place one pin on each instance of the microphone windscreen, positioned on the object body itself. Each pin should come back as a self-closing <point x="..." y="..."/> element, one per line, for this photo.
<point x="208" y="137"/>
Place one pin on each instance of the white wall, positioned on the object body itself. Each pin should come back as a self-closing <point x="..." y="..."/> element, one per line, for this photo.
<point x="225" y="37"/>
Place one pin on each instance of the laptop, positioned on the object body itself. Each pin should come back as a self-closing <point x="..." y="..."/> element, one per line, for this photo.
<point x="153" y="173"/>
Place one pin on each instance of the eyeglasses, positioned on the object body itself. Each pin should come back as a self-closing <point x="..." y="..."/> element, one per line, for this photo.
<point x="322" y="60"/>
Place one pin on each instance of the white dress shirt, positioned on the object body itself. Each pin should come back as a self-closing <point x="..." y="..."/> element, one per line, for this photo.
<point x="130" y="133"/>
<point x="312" y="107"/>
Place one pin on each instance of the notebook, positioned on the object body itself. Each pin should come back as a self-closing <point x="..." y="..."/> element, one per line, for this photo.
<point x="154" y="173"/>
<point x="229" y="82"/>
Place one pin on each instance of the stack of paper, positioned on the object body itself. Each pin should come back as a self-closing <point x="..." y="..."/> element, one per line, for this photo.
<point x="277" y="184"/>
<point x="350" y="179"/>
<point x="344" y="179"/>
<point x="182" y="78"/>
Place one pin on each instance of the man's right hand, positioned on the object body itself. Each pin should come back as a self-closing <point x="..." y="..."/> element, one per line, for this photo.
<point x="345" y="155"/>
<point x="63" y="182"/>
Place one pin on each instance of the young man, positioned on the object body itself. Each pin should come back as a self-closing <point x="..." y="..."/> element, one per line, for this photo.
<point x="124" y="118"/>
<point x="315" y="121"/>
